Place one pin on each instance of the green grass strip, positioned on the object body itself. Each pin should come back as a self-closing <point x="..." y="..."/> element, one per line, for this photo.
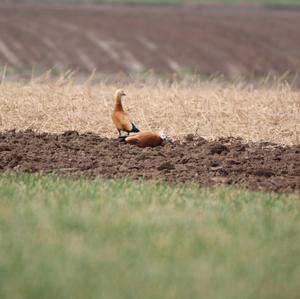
<point x="117" y="239"/>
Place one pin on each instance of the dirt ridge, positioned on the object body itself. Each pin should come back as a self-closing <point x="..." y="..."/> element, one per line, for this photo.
<point x="227" y="161"/>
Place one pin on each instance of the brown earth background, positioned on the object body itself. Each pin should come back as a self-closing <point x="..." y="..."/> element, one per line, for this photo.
<point x="247" y="40"/>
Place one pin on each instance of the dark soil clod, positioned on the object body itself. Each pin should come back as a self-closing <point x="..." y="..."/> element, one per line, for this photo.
<point x="165" y="165"/>
<point x="217" y="148"/>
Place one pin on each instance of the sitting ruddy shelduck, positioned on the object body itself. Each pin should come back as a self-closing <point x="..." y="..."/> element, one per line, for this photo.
<point x="146" y="139"/>
<point x="121" y="118"/>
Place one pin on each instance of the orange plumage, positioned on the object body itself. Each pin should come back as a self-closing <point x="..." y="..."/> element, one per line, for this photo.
<point x="121" y="118"/>
<point x="146" y="139"/>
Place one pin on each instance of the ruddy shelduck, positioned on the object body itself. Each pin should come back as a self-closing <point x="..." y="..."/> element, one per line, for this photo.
<point x="121" y="118"/>
<point x="146" y="139"/>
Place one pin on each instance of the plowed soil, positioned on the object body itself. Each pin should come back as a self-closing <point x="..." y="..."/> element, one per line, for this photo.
<point x="227" y="161"/>
<point x="231" y="40"/>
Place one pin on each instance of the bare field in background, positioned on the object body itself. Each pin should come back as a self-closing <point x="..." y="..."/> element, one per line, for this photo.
<point x="248" y="41"/>
<point x="210" y="109"/>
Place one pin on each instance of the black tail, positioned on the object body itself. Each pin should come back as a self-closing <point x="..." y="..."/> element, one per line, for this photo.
<point x="134" y="128"/>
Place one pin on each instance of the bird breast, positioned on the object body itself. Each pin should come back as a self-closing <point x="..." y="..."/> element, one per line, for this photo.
<point x="121" y="120"/>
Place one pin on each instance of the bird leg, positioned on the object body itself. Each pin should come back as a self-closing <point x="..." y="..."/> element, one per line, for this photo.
<point x="121" y="138"/>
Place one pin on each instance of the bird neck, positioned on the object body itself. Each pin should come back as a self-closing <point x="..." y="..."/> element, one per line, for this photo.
<point x="118" y="105"/>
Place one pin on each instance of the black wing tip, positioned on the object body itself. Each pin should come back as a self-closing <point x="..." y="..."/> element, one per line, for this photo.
<point x="134" y="128"/>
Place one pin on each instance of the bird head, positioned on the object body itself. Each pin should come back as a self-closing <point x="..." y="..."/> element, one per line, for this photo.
<point x="162" y="135"/>
<point x="120" y="93"/>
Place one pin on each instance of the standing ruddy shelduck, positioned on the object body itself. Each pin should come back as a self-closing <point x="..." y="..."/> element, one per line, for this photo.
<point x="121" y="118"/>
<point x="146" y="139"/>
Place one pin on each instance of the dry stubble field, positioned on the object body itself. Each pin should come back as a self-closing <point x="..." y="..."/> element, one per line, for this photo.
<point x="242" y="134"/>
<point x="209" y="109"/>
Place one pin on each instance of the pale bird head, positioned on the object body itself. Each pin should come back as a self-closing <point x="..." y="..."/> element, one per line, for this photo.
<point x="162" y="135"/>
<point x="120" y="93"/>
